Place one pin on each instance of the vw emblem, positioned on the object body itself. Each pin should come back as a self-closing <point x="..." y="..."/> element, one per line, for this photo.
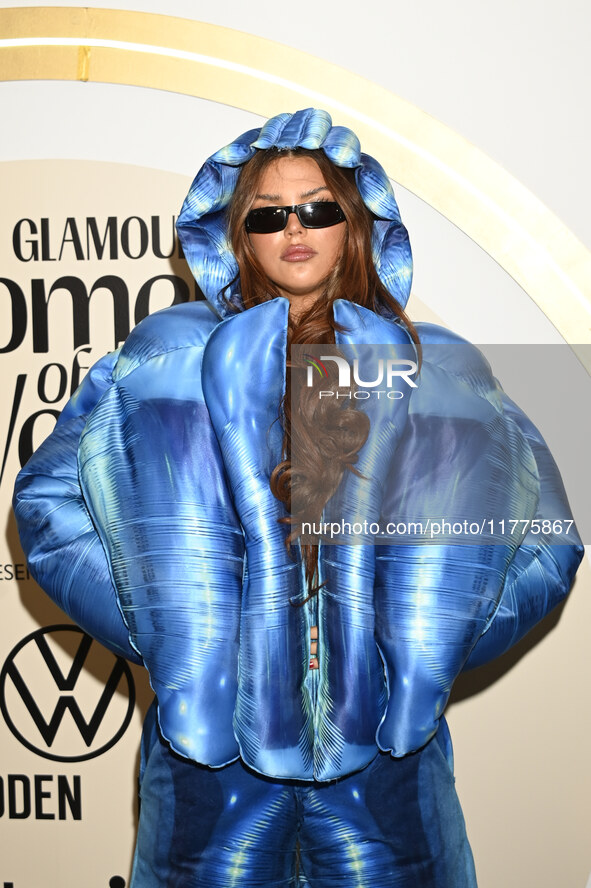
<point x="64" y="696"/>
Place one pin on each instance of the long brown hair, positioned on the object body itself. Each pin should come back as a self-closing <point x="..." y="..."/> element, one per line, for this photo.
<point x="329" y="453"/>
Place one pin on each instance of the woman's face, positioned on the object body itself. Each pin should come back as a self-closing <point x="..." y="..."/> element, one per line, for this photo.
<point x="297" y="260"/>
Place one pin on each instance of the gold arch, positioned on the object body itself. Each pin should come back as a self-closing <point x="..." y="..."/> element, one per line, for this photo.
<point x="238" y="69"/>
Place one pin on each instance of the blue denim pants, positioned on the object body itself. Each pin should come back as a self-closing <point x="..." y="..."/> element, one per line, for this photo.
<point x="397" y="823"/>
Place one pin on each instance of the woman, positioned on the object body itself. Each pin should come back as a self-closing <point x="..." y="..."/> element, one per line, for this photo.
<point x="300" y="685"/>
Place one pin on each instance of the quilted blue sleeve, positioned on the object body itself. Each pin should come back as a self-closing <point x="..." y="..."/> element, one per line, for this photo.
<point x="468" y="458"/>
<point x="98" y="379"/>
<point x="155" y="486"/>
<point x="543" y="567"/>
<point x="64" y="552"/>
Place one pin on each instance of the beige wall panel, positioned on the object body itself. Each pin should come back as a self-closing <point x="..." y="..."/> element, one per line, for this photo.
<point x="97" y="847"/>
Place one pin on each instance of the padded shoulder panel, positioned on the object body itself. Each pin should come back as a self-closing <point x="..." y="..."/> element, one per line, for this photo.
<point x="181" y="326"/>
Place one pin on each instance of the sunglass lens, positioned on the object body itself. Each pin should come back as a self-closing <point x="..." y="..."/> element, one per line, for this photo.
<point x="266" y="220"/>
<point x="320" y="214"/>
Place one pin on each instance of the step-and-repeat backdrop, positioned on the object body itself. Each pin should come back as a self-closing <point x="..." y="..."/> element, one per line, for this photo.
<point x="88" y="250"/>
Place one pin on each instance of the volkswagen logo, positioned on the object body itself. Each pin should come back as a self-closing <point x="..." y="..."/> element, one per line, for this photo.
<point x="64" y="696"/>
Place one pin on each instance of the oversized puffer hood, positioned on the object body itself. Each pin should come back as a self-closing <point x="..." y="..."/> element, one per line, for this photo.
<point x="202" y="222"/>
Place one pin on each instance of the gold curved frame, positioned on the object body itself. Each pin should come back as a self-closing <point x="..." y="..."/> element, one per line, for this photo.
<point x="238" y="69"/>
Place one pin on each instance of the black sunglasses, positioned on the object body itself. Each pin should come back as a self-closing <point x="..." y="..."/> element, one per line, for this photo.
<point x="318" y="214"/>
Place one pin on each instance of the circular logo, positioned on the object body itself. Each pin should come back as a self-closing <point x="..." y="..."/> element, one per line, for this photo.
<point x="65" y="696"/>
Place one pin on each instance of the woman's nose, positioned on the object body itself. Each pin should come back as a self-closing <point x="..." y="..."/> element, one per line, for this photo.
<point x="293" y="224"/>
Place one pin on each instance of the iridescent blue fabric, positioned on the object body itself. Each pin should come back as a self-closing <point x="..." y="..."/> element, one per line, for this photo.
<point x="64" y="552"/>
<point x="397" y="822"/>
<point x="147" y="515"/>
<point x="174" y="465"/>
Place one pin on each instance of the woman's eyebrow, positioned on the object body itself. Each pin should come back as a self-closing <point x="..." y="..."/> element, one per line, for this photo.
<point x="277" y="197"/>
<point x="314" y="191"/>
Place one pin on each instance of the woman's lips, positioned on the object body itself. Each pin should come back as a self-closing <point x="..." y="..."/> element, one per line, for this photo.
<point x="298" y="253"/>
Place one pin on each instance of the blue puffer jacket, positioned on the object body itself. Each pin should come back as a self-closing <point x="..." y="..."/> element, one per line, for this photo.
<point x="147" y="514"/>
